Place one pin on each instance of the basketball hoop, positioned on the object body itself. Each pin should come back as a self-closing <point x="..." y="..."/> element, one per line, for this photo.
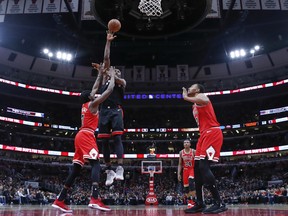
<point x="151" y="7"/>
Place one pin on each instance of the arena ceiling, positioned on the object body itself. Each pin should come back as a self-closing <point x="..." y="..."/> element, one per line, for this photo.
<point x="196" y="42"/>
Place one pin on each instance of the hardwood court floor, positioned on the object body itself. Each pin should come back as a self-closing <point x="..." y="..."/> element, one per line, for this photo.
<point x="141" y="210"/>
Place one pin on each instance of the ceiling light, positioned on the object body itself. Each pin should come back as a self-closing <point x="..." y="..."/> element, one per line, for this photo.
<point x="45" y="51"/>
<point x="257" y="47"/>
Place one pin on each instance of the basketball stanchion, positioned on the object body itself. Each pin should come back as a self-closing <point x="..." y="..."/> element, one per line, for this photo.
<point x="151" y="168"/>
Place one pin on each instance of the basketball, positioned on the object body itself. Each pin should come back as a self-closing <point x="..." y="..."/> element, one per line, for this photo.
<point x="114" y="25"/>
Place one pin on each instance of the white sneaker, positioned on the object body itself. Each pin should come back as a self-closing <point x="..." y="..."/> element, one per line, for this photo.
<point x="110" y="177"/>
<point x="119" y="173"/>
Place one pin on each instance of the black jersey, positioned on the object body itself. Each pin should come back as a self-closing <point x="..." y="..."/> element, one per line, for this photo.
<point x="115" y="99"/>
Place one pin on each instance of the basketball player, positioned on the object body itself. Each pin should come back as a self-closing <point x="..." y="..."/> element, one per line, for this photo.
<point x="186" y="161"/>
<point x="208" y="149"/>
<point x="111" y="118"/>
<point x="86" y="148"/>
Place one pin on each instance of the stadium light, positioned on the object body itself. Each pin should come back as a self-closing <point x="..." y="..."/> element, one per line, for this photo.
<point x="45" y="51"/>
<point x="62" y="56"/>
<point x="241" y="53"/>
<point x="257" y="47"/>
<point x="50" y="54"/>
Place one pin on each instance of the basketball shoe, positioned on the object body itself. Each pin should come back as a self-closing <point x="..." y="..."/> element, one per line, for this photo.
<point x="215" y="209"/>
<point x="198" y="207"/>
<point x="62" y="206"/>
<point x="98" y="204"/>
<point x="119" y="173"/>
<point x="110" y="177"/>
<point x="191" y="204"/>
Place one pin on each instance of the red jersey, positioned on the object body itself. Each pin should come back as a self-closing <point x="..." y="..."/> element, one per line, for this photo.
<point x="89" y="120"/>
<point x="205" y="116"/>
<point x="187" y="159"/>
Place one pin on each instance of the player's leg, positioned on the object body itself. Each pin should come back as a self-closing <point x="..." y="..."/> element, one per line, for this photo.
<point x="104" y="135"/>
<point x="119" y="152"/>
<point x="191" y="192"/>
<point x="106" y="152"/>
<point x="78" y="162"/>
<point x="95" y="201"/>
<point x="117" y="131"/>
<point x="199" y="205"/>
<point x="213" y="143"/>
<point x="60" y="201"/>
<point x="185" y="177"/>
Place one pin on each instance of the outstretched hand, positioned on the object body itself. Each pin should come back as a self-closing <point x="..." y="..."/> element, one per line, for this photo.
<point x="99" y="67"/>
<point x="110" y="36"/>
<point x="184" y="93"/>
<point x="95" y="65"/>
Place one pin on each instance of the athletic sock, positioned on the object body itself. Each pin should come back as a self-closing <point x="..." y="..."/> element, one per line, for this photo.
<point x="63" y="194"/>
<point x="95" y="191"/>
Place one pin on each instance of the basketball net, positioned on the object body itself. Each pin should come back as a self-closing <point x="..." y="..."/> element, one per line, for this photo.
<point x="151" y="7"/>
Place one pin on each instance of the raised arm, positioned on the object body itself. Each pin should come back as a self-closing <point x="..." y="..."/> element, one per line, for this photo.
<point x="109" y="38"/>
<point x="200" y="99"/>
<point x="95" y="103"/>
<point x="100" y="69"/>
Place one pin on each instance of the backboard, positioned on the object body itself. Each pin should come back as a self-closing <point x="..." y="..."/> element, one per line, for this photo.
<point x="148" y="167"/>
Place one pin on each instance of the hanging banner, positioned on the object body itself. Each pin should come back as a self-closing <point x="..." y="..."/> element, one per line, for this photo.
<point x="138" y="73"/>
<point x="215" y="10"/>
<point x="86" y="13"/>
<point x="162" y="72"/>
<point x="270" y="4"/>
<point x="73" y="5"/>
<point x="284" y="4"/>
<point x="251" y="4"/>
<point x="3" y="6"/>
<point x="226" y="5"/>
<point x="51" y="6"/>
<point x="33" y="6"/>
<point x="182" y="72"/>
<point x="15" y="7"/>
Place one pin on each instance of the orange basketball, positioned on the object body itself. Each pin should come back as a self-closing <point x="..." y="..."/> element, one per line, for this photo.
<point x="114" y="25"/>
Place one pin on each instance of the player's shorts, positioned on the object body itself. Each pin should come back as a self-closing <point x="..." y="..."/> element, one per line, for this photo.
<point x="85" y="147"/>
<point x="110" y="119"/>
<point x="209" y="144"/>
<point x="187" y="173"/>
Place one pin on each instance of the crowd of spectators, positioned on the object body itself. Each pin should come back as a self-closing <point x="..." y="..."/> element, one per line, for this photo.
<point x="249" y="183"/>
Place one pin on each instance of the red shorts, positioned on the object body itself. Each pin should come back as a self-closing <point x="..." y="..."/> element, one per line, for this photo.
<point x="209" y="144"/>
<point x="187" y="173"/>
<point x="85" y="147"/>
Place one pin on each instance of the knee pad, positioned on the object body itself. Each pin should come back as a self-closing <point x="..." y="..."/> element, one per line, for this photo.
<point x="118" y="146"/>
<point x="206" y="173"/>
<point x="75" y="172"/>
<point x="106" y="150"/>
<point x="191" y="184"/>
<point x="95" y="172"/>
